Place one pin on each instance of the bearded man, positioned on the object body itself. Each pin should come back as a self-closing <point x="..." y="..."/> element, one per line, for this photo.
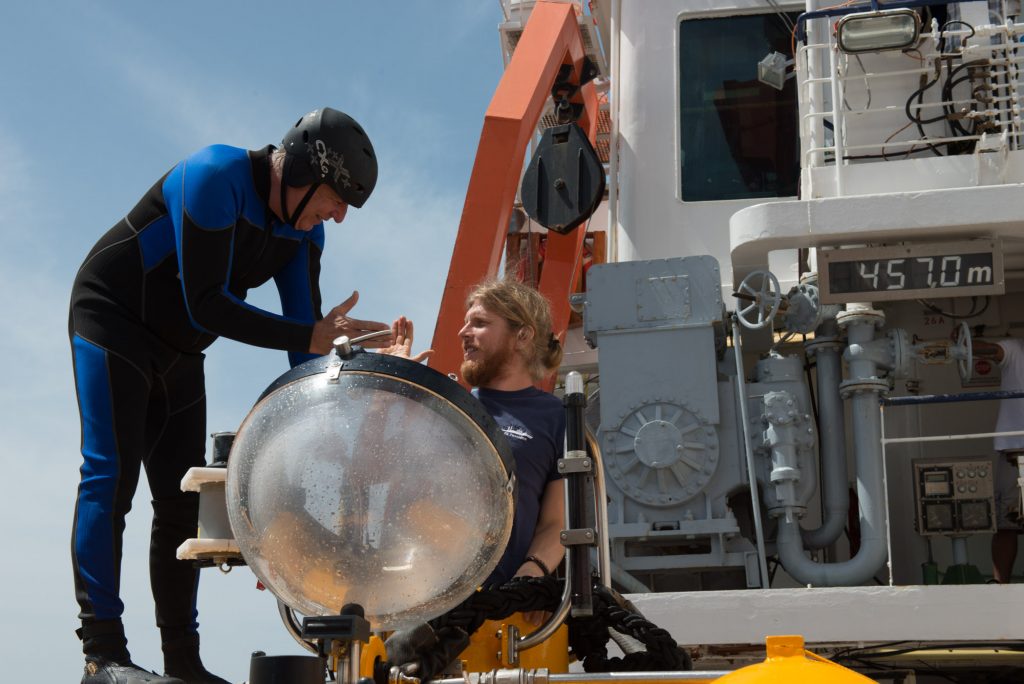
<point x="507" y="347"/>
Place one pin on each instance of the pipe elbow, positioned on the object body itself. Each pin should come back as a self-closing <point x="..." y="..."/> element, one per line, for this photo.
<point x="869" y="558"/>
<point x="831" y="527"/>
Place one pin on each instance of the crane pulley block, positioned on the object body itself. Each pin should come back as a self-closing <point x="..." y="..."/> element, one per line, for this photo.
<point x="564" y="183"/>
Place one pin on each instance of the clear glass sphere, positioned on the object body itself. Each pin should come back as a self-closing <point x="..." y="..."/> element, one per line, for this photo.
<point x="373" y="491"/>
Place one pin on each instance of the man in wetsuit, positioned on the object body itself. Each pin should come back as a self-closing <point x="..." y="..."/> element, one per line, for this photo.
<point x="154" y="292"/>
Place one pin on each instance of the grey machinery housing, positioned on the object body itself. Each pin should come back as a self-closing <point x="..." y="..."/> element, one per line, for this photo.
<point x="669" y="425"/>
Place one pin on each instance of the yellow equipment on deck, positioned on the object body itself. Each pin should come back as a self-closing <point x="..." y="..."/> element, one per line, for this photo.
<point x="488" y="649"/>
<point x="789" y="663"/>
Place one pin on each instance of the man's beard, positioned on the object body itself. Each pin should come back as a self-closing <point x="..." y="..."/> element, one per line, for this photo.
<point x="482" y="372"/>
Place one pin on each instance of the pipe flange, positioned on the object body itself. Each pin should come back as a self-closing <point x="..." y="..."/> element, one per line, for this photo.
<point x="811" y="347"/>
<point x="780" y="408"/>
<point x="789" y="511"/>
<point x="899" y="348"/>
<point x="847" y="318"/>
<point x="851" y="387"/>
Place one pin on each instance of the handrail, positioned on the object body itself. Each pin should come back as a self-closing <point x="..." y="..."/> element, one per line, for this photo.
<point x="953" y="398"/>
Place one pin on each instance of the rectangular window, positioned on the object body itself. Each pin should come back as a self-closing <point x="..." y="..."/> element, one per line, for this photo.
<point x="738" y="137"/>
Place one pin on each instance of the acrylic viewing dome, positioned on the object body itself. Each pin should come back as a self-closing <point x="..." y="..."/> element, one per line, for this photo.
<point x="387" y="486"/>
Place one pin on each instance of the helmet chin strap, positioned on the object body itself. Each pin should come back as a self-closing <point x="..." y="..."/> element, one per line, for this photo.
<point x="291" y="219"/>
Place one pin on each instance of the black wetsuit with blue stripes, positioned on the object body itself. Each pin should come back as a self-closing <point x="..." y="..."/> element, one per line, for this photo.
<point x="154" y="292"/>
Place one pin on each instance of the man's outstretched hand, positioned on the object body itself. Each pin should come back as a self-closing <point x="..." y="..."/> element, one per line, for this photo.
<point x="402" y="334"/>
<point x="337" y="323"/>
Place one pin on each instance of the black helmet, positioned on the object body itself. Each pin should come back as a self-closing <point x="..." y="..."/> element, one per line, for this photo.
<point x="328" y="147"/>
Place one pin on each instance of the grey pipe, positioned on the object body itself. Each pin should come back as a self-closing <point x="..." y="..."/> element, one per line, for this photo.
<point x="831" y="414"/>
<point x="615" y="571"/>
<point x="959" y="550"/>
<point x="755" y="499"/>
<point x="629" y="583"/>
<point x="867" y="433"/>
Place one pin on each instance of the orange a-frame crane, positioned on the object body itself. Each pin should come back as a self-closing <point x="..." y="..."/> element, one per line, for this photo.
<point x="550" y="40"/>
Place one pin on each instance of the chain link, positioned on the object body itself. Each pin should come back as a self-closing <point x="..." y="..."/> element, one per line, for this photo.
<point x="588" y="636"/>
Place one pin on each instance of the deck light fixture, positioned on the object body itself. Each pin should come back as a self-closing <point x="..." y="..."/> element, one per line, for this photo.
<point x="877" y="31"/>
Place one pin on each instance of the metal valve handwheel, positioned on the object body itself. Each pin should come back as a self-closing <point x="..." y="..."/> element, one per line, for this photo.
<point x="761" y="289"/>
<point x="964" y="352"/>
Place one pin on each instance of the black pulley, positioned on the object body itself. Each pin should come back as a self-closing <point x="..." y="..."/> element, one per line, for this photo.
<point x="286" y="669"/>
<point x="564" y="182"/>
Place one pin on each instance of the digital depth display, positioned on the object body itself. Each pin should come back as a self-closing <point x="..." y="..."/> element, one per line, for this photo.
<point x="939" y="272"/>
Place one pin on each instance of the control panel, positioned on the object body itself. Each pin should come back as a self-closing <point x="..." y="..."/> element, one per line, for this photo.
<point x="954" y="497"/>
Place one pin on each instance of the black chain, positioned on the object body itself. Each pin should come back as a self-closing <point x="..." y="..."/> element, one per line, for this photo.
<point x="520" y="594"/>
<point x="587" y="636"/>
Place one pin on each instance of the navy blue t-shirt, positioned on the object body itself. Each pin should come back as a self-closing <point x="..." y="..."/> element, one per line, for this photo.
<point x="534" y="425"/>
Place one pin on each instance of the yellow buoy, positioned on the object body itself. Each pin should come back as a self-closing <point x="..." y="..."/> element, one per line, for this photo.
<point x="789" y="663"/>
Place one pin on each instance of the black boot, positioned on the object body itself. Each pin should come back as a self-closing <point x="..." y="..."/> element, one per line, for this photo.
<point x="107" y="660"/>
<point x="99" y="670"/>
<point x="181" y="659"/>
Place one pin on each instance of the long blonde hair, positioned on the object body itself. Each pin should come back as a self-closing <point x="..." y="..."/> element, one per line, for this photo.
<point x="523" y="307"/>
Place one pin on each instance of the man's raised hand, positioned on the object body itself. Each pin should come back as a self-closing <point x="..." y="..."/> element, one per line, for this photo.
<point x="337" y="323"/>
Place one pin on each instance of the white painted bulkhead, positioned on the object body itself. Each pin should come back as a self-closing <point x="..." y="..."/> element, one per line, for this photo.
<point x="651" y="220"/>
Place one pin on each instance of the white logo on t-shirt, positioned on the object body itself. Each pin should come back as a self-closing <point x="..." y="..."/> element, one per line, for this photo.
<point x="514" y="432"/>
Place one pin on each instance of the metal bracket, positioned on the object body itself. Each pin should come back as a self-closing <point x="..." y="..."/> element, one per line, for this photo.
<point x="334" y="368"/>
<point x="575" y="464"/>
<point x="336" y="627"/>
<point x="564" y="87"/>
<point x="584" y="536"/>
<point x="509" y="640"/>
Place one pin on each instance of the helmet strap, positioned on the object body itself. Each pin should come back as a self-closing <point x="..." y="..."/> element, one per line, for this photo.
<point x="294" y="216"/>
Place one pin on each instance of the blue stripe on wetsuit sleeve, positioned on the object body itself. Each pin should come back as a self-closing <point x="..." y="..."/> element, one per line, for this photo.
<point x="207" y="213"/>
<point x="94" y="531"/>
<point x="156" y="242"/>
<point x="213" y="179"/>
<point x="293" y="286"/>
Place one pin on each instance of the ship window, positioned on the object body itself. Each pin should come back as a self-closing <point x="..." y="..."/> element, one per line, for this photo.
<point x="738" y="136"/>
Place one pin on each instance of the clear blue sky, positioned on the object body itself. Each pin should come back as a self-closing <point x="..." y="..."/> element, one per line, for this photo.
<point x="97" y="101"/>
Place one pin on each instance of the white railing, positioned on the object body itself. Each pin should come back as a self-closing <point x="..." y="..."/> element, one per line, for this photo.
<point x="514" y="10"/>
<point x="961" y="99"/>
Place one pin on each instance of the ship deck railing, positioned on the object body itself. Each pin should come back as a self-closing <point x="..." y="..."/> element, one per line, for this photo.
<point x="854" y="107"/>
